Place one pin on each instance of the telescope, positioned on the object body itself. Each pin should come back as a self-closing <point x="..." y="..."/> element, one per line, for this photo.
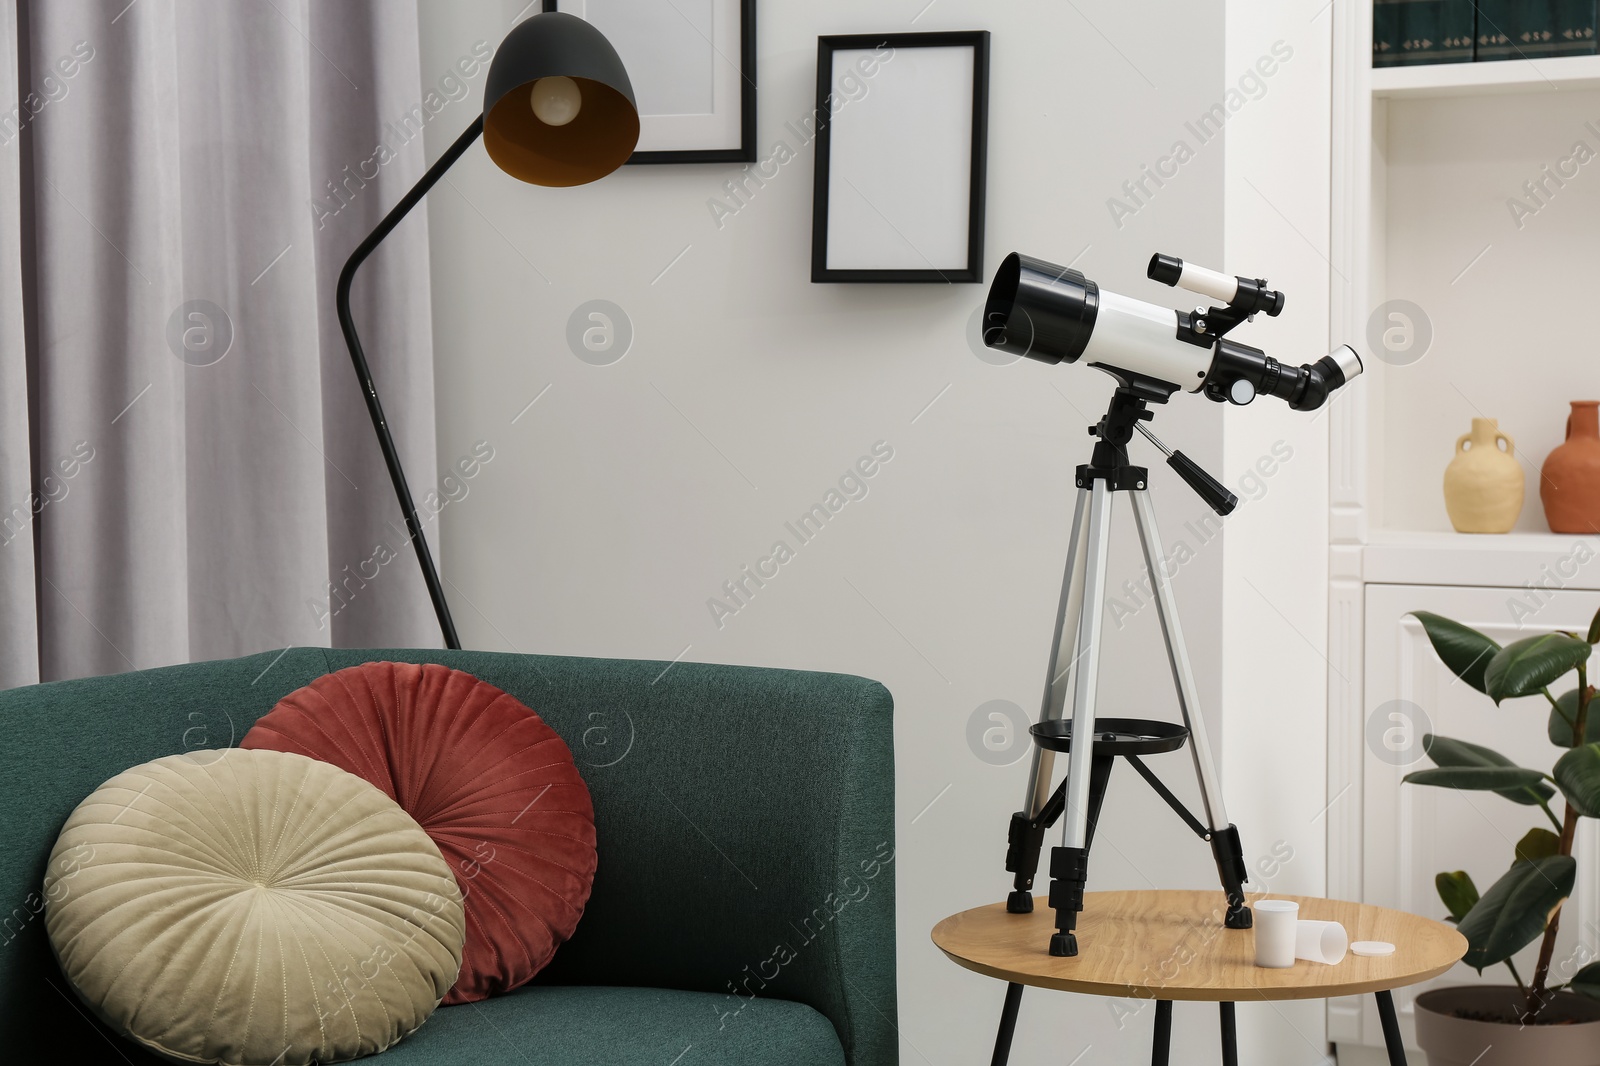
<point x="1055" y="314"/>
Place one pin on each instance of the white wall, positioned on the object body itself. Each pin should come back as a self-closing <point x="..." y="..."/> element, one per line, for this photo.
<point x="1275" y="603"/>
<point x="621" y="501"/>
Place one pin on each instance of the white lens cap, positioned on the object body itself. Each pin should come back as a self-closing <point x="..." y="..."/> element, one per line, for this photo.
<point x="1371" y="948"/>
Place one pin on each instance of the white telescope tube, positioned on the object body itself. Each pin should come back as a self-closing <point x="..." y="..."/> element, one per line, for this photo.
<point x="1133" y="335"/>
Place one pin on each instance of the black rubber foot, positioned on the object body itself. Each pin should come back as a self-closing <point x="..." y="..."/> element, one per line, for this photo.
<point x="1019" y="902"/>
<point x="1239" y="918"/>
<point x="1064" y="945"/>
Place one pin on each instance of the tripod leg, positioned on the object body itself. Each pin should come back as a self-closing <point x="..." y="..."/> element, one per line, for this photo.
<point x="1026" y="837"/>
<point x="1069" y="864"/>
<point x="1225" y="846"/>
<point x="1099" y="777"/>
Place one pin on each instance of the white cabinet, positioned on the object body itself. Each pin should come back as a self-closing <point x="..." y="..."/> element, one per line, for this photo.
<point x="1410" y="833"/>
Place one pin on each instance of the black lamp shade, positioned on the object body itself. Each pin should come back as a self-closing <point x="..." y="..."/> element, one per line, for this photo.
<point x="602" y="136"/>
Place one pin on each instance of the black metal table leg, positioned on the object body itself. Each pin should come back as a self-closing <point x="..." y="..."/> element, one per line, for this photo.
<point x="1008" y="1025"/>
<point x="1163" y="1040"/>
<point x="1230" y="1036"/>
<point x="1391" y="1029"/>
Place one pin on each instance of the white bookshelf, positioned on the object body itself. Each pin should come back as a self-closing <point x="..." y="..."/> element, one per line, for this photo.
<point x="1403" y="557"/>
<point x="1456" y="188"/>
<point x="1512" y="76"/>
<point x="1426" y="160"/>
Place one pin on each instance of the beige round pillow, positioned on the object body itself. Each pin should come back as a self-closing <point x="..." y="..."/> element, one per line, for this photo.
<point x="254" y="907"/>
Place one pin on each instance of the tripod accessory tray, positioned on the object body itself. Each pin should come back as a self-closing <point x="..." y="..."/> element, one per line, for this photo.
<point x="1114" y="736"/>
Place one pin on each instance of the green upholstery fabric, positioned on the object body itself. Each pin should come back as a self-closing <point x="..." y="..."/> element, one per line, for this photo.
<point x="745" y="819"/>
<point x="588" y="1026"/>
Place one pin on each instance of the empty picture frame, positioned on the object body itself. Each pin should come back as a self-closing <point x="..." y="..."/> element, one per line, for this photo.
<point x="693" y="68"/>
<point x="901" y="144"/>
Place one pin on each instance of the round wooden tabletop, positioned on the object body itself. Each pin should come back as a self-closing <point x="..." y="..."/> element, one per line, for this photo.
<point x="1172" y="945"/>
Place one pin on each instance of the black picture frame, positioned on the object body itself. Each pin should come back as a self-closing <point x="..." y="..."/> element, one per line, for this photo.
<point x="746" y="152"/>
<point x="978" y="40"/>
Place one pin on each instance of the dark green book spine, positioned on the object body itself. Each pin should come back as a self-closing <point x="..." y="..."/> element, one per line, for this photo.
<point x="1458" y="24"/>
<point x="1410" y="32"/>
<point x="1500" y="22"/>
<point x="1575" y="27"/>
<point x="1535" y="29"/>
<point x="1385" y="33"/>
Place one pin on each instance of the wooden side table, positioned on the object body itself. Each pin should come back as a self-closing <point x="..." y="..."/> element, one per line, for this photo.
<point x="1171" y="945"/>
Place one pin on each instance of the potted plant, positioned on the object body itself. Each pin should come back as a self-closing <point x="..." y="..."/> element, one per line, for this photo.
<point x="1551" y="1018"/>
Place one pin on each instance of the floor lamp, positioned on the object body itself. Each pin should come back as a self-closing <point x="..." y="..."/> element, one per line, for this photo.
<point x="558" y="110"/>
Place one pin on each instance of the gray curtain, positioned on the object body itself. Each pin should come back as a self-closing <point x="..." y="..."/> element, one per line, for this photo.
<point x="185" y="461"/>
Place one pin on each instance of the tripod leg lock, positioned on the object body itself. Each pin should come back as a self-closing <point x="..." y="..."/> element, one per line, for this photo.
<point x="1069" y="875"/>
<point x="1022" y="859"/>
<point x="1025" y="840"/>
<point x="1231" y="868"/>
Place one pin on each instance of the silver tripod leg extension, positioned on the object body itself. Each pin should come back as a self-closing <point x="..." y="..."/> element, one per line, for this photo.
<point x="1069" y="864"/>
<point x="1075" y="823"/>
<point x="1026" y="838"/>
<point x="1223" y="836"/>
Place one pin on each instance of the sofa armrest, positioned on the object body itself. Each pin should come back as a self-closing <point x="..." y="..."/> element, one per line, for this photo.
<point x="746" y="831"/>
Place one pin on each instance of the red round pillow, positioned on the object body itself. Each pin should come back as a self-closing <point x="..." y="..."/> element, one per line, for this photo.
<point x="494" y="787"/>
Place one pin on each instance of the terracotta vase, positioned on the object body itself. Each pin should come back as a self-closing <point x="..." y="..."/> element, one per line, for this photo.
<point x="1483" y="484"/>
<point x="1570" y="484"/>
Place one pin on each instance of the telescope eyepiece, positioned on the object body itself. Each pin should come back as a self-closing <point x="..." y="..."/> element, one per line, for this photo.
<point x="1308" y="387"/>
<point x="1167" y="269"/>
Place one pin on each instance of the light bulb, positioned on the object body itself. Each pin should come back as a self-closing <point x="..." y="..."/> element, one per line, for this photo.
<point x="556" y="101"/>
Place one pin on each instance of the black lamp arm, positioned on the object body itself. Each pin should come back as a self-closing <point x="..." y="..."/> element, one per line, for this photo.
<point x="369" y="391"/>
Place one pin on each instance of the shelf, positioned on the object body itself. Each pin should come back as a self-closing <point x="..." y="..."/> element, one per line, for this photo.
<point x="1474" y="79"/>
<point x="1556" y="560"/>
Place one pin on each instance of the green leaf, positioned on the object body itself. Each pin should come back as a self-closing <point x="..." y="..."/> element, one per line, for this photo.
<point x="1458" y="892"/>
<point x="1577" y="773"/>
<point x="1515" y="910"/>
<point x="1461" y="648"/>
<point x="1594" y="629"/>
<point x="1587" y="981"/>
<point x="1527" y="787"/>
<point x="1501" y="779"/>
<point x="1538" y="844"/>
<point x="1528" y="665"/>
<point x="1560" y="727"/>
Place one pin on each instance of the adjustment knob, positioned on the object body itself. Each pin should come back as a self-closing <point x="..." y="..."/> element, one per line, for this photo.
<point x="1241" y="392"/>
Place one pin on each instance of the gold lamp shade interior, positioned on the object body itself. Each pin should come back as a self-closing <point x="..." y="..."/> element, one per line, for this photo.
<point x="599" y="140"/>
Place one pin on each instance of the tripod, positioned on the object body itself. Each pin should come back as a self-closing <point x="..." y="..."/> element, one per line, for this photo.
<point x="1078" y="626"/>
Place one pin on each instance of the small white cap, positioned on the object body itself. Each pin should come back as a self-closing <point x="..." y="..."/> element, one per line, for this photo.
<point x="1371" y="948"/>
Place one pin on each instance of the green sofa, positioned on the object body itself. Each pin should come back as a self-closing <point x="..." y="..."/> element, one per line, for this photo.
<point x="743" y="912"/>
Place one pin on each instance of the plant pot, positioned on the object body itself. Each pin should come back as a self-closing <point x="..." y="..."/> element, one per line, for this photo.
<point x="1483" y="484"/>
<point x="1570" y="481"/>
<point x="1454" y="1041"/>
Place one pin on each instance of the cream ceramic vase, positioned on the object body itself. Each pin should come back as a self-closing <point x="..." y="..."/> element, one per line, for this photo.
<point x="1483" y="484"/>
